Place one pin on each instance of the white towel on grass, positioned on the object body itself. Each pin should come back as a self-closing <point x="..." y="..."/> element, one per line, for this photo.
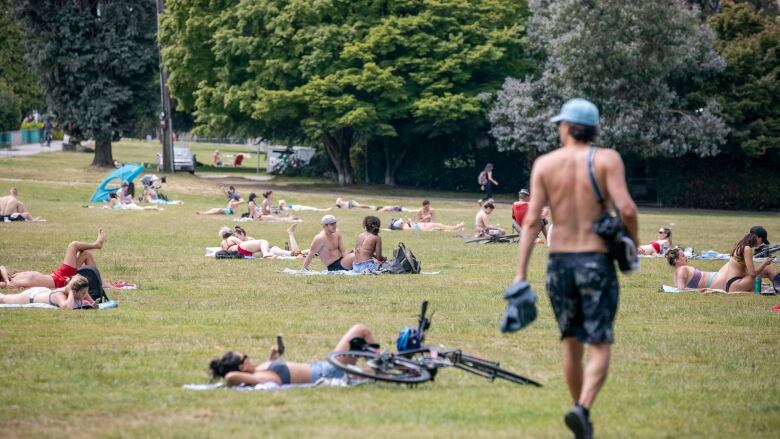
<point x="322" y="382"/>
<point x="28" y="305"/>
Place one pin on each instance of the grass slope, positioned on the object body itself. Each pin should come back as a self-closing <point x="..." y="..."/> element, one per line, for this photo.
<point x="684" y="365"/>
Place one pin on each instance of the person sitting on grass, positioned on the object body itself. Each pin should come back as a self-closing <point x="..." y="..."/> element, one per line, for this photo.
<point x="150" y="196"/>
<point x="739" y="273"/>
<point x="267" y="215"/>
<point x="216" y="160"/>
<point x="426" y="214"/>
<point x="368" y="247"/>
<point x="238" y="369"/>
<point x="519" y="209"/>
<point x="482" y="221"/>
<point x="76" y="255"/>
<point x="329" y="245"/>
<point x="72" y="295"/>
<point x="660" y="246"/>
<point x="408" y="224"/>
<point x="285" y="207"/>
<point x="113" y="203"/>
<point x="687" y="277"/>
<point x="235" y="239"/>
<point x="11" y="209"/>
<point x="232" y="204"/>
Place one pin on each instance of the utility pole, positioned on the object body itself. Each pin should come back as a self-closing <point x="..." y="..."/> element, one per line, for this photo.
<point x="166" y="127"/>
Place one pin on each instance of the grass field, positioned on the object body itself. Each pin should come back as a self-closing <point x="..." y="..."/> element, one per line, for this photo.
<point x="684" y="365"/>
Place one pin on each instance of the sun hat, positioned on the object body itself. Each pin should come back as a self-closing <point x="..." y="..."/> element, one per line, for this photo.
<point x="328" y="219"/>
<point x="579" y="111"/>
<point x="760" y="232"/>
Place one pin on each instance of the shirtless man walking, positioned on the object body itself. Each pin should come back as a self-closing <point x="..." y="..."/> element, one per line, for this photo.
<point x="581" y="280"/>
<point x="330" y="247"/>
<point x="11" y="209"/>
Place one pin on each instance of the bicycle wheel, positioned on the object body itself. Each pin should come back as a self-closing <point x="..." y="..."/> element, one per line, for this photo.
<point x="380" y="367"/>
<point x="490" y="370"/>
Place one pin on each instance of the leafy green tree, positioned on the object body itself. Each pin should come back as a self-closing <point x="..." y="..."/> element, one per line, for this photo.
<point x="9" y="108"/>
<point x="633" y="59"/>
<point x="96" y="60"/>
<point x="14" y="69"/>
<point x="342" y="73"/>
<point x="749" y="88"/>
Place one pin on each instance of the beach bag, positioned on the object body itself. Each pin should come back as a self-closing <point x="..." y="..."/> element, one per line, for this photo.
<point x="232" y="254"/>
<point x="482" y="178"/>
<point x="403" y="261"/>
<point x="96" y="291"/>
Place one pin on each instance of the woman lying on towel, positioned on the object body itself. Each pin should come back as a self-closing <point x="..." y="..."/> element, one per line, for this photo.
<point x="659" y="246"/>
<point x="235" y="239"/>
<point x="399" y="224"/>
<point x="239" y="369"/>
<point x="70" y="296"/>
<point x="76" y="255"/>
<point x="284" y="206"/>
<point x="232" y="204"/>
<point x="739" y="273"/>
<point x="368" y="248"/>
<point x="687" y="277"/>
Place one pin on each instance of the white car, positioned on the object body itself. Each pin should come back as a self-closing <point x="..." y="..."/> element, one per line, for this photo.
<point x="183" y="160"/>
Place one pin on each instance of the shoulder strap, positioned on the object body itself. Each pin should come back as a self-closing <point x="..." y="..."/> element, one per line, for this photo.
<point x="592" y="175"/>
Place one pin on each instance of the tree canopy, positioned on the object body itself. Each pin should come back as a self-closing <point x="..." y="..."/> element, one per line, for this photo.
<point x="96" y="60"/>
<point x="340" y="72"/>
<point x="634" y="60"/>
<point x="20" y="92"/>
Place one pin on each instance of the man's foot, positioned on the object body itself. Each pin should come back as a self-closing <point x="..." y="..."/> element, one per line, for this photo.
<point x="292" y="228"/>
<point x="577" y="421"/>
<point x="101" y="238"/>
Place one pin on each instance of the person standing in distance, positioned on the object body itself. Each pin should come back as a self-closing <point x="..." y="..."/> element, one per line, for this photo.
<point x="581" y="280"/>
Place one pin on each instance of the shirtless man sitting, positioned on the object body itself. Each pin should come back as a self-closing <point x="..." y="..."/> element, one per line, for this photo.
<point x="11" y="209"/>
<point x="426" y="214"/>
<point x="482" y="221"/>
<point x="330" y="247"/>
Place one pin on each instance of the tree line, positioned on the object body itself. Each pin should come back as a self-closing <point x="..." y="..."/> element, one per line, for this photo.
<point x="416" y="92"/>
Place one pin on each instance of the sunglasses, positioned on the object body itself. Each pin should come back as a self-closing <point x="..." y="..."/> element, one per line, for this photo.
<point x="662" y="231"/>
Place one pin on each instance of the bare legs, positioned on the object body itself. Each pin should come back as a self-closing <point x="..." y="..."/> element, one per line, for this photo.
<point x="358" y="330"/>
<point x="294" y="249"/>
<point x="73" y="256"/>
<point x="440" y="226"/>
<point x="212" y="211"/>
<point x="584" y="386"/>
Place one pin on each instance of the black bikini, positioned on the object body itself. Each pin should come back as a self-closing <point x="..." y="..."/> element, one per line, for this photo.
<point x="280" y="368"/>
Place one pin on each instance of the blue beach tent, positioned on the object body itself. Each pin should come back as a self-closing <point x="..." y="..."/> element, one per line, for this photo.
<point x="127" y="172"/>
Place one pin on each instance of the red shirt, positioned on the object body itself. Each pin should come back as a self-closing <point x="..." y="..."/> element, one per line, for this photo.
<point x="519" y="208"/>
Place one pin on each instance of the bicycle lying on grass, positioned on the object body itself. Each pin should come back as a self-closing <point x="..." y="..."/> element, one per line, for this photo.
<point x="416" y="363"/>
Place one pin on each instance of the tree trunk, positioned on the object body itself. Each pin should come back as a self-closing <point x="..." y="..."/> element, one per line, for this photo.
<point x="337" y="146"/>
<point x="103" y="157"/>
<point x="393" y="162"/>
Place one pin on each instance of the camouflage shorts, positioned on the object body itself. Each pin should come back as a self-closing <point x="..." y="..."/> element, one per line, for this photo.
<point x="583" y="290"/>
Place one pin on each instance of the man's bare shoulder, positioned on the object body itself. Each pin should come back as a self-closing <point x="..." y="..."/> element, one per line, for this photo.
<point x="608" y="157"/>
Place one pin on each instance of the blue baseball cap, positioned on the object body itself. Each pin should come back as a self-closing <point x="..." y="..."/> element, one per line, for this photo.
<point x="579" y="111"/>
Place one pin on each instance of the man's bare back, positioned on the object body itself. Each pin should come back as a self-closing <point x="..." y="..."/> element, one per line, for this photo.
<point x="9" y="204"/>
<point x="560" y="179"/>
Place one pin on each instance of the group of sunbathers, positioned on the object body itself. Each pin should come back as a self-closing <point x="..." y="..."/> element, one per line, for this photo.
<point x="63" y="287"/>
<point x="739" y="274"/>
<point x="124" y="199"/>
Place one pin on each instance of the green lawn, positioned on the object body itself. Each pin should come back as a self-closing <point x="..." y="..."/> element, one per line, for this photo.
<point x="684" y="365"/>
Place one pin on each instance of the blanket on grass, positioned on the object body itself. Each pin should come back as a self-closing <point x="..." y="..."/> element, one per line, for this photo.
<point x="105" y="305"/>
<point x="322" y="382"/>
<point x="766" y="290"/>
<point x="210" y="251"/>
<point x="335" y="273"/>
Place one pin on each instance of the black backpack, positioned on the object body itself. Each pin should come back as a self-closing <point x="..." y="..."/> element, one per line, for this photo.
<point x="403" y="261"/>
<point x="225" y="254"/>
<point x="96" y="290"/>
